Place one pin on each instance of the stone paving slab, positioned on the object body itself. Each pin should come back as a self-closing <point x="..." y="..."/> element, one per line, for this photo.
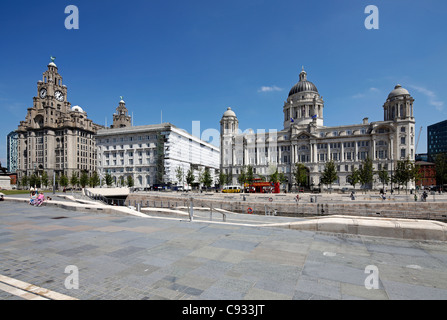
<point x="129" y="257"/>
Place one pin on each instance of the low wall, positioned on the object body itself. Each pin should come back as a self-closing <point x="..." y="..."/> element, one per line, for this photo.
<point x="386" y="209"/>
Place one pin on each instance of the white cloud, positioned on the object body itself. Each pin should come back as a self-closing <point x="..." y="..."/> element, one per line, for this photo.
<point x="269" y="89"/>
<point x="360" y="95"/>
<point x="432" y="99"/>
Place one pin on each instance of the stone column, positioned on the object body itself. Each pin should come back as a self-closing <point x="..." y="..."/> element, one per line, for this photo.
<point x="373" y="141"/>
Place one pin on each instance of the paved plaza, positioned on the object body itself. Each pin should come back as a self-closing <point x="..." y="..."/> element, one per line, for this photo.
<point x="125" y="257"/>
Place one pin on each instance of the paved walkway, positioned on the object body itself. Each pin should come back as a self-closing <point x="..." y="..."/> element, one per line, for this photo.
<point x="127" y="257"/>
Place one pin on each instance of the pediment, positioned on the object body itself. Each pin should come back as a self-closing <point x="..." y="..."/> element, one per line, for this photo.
<point x="303" y="135"/>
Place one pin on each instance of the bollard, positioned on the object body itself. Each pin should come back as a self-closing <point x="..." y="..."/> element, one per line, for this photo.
<point x="191" y="210"/>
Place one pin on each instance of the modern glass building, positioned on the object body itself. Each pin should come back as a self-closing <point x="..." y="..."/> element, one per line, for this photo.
<point x="11" y="145"/>
<point x="436" y="139"/>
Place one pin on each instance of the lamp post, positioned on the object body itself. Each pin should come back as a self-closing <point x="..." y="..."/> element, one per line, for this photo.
<point x="54" y="181"/>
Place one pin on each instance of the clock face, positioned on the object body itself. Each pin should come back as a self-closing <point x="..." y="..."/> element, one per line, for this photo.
<point x="43" y="93"/>
<point x="59" y="96"/>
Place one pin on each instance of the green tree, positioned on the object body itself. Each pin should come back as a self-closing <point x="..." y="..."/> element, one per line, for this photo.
<point x="200" y="177"/>
<point x="249" y="175"/>
<point x="74" y="180"/>
<point x="404" y="172"/>
<point x="242" y="178"/>
<point x="441" y="169"/>
<point x="207" y="180"/>
<point x="354" y="177"/>
<point x="84" y="180"/>
<point x="384" y="177"/>
<point x="44" y="179"/>
<point x="222" y="179"/>
<point x="274" y="177"/>
<point x="329" y="175"/>
<point x="63" y="180"/>
<point x="25" y="181"/>
<point x="121" y="181"/>
<point x="34" y="180"/>
<point x="416" y="174"/>
<point x="190" y="177"/>
<point x="366" y="173"/>
<point x="94" y="180"/>
<point x="130" y="182"/>
<point x="109" y="179"/>
<point x="180" y="175"/>
<point x="300" y="174"/>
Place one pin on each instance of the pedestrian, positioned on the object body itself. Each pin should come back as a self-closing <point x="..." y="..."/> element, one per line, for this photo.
<point x="415" y="197"/>
<point x="33" y="198"/>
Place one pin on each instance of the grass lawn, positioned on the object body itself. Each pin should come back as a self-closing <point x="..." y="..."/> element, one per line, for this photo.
<point x="10" y="192"/>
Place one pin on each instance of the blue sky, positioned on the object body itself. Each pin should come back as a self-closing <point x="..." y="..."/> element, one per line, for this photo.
<point x="193" y="59"/>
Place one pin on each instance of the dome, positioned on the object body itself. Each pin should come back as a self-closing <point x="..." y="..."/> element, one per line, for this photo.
<point x="229" y="113"/>
<point x="303" y="85"/>
<point x="398" y="91"/>
<point x="77" y="109"/>
<point x="52" y="64"/>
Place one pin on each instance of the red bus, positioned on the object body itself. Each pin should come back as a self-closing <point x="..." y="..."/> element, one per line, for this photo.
<point x="259" y="186"/>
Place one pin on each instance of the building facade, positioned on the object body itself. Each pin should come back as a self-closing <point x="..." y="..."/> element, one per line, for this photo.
<point x="152" y="154"/>
<point x="55" y="137"/>
<point x="304" y="139"/>
<point x="427" y="174"/>
<point x="436" y="139"/>
<point x="11" y="147"/>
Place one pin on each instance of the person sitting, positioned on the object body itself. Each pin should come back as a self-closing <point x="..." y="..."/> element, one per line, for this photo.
<point x="40" y="199"/>
<point x="33" y="198"/>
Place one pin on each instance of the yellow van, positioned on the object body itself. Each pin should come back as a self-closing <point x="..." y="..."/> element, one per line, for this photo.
<point x="231" y="189"/>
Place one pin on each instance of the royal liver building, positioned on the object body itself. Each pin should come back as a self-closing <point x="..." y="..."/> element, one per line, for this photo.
<point x="306" y="140"/>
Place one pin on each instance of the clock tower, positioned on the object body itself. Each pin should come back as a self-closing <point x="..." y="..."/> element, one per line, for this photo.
<point x="121" y="118"/>
<point x="55" y="137"/>
<point x="51" y="91"/>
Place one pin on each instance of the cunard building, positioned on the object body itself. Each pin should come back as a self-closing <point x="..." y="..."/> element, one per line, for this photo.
<point x="305" y="139"/>
<point x="55" y="137"/>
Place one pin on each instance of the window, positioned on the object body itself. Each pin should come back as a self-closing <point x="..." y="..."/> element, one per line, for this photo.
<point x="402" y="140"/>
<point x="402" y="153"/>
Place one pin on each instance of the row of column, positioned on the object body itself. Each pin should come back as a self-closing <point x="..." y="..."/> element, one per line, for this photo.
<point x="313" y="152"/>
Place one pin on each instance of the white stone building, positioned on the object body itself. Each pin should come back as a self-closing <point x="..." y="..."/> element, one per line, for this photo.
<point x="151" y="154"/>
<point x="305" y="139"/>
